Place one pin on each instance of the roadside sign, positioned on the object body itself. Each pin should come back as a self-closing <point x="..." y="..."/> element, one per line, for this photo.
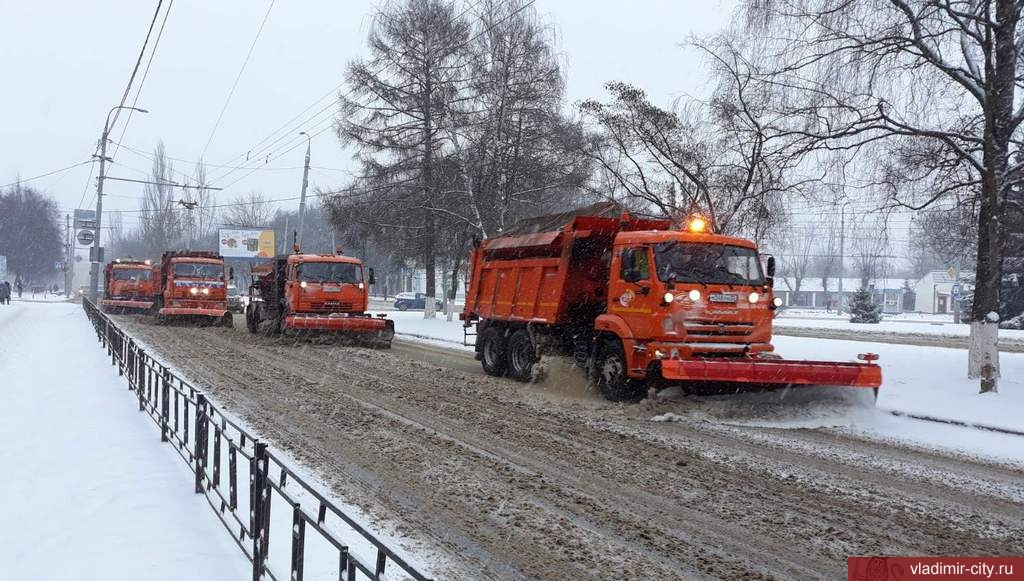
<point x="86" y="237"/>
<point x="85" y="219"/>
<point x="955" y="291"/>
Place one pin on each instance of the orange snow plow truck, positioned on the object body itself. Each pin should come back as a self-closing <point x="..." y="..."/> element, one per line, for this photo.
<point x="194" y="288"/>
<point x="130" y="285"/>
<point x="634" y="302"/>
<point x="323" y="294"/>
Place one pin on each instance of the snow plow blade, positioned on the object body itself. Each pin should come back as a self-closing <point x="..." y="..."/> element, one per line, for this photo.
<point x="775" y="372"/>
<point x="385" y="328"/>
<point x="192" y="312"/>
<point x="126" y="304"/>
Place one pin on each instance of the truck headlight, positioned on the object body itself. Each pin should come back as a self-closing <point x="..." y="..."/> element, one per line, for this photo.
<point x="668" y="298"/>
<point x="695" y="295"/>
<point x="754" y="297"/>
<point x="303" y="284"/>
<point x="193" y="290"/>
<point x="777" y="301"/>
<point x="206" y="291"/>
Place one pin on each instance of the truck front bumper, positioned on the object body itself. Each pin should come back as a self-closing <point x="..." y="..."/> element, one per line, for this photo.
<point x="215" y="312"/>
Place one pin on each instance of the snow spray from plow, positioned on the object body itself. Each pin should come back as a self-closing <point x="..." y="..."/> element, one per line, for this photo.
<point x="187" y="420"/>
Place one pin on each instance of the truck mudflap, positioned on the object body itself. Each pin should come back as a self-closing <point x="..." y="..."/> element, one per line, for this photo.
<point x="343" y="324"/>
<point x="126" y="304"/>
<point x="775" y="371"/>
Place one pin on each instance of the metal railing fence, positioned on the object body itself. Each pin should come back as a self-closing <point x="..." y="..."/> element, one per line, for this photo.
<point x="212" y="444"/>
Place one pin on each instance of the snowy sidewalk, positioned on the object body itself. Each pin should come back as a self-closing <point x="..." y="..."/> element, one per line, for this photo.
<point x="87" y="490"/>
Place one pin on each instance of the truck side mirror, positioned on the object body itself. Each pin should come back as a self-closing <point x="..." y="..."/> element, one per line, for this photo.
<point x="371" y="279"/>
<point x="771" y="266"/>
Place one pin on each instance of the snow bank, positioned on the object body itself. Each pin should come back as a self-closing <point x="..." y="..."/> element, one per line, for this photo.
<point x="88" y="490"/>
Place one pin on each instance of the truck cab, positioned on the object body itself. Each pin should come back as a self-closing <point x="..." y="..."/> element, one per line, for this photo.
<point x="325" y="283"/>
<point x="130" y="285"/>
<point x="194" y="286"/>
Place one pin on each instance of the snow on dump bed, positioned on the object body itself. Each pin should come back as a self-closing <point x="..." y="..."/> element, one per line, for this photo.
<point x="87" y="489"/>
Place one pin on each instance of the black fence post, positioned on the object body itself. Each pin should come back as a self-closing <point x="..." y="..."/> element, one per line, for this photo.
<point x="165" y="390"/>
<point x="258" y="496"/>
<point x="140" y="388"/>
<point x="298" y="542"/>
<point x="201" y="446"/>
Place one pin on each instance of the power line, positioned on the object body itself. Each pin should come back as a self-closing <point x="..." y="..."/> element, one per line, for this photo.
<point x="145" y="75"/>
<point x="237" y="78"/>
<point x="50" y="173"/>
<point x="138" y="62"/>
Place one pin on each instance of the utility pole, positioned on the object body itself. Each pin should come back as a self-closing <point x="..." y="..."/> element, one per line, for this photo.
<point x="94" y="267"/>
<point x="305" y="183"/>
<point x="69" y="251"/>
<point x="955" y="296"/>
<point x="842" y="257"/>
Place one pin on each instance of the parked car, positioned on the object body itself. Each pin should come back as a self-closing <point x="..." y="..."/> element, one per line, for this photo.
<point x="406" y="301"/>
<point x="236" y="300"/>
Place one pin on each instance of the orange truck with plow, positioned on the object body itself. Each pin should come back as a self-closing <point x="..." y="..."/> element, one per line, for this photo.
<point x="635" y="303"/>
<point x="130" y="286"/>
<point x="316" y="294"/>
<point x="194" y="287"/>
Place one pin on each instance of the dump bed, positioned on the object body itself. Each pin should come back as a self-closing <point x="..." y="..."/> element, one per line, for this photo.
<point x="552" y="269"/>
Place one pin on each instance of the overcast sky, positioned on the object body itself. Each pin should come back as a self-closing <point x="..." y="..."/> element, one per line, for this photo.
<point x="65" y="63"/>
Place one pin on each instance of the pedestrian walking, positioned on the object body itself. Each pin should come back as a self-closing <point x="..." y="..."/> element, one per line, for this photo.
<point x="5" y="292"/>
<point x="19" y="287"/>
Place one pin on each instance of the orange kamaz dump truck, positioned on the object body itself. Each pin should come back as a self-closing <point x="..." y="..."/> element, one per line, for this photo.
<point x="130" y="285"/>
<point x="316" y="294"/>
<point x="194" y="287"/>
<point x="634" y="301"/>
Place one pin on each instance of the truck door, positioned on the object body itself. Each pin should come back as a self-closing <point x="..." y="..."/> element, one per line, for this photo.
<point x="630" y="292"/>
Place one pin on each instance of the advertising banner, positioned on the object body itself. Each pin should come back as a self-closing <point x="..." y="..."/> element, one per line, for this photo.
<point x="246" y="243"/>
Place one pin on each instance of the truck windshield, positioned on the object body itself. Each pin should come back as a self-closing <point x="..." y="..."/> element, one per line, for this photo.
<point x="199" y="270"/>
<point x="132" y="274"/>
<point x="340" y="272"/>
<point x="708" y="263"/>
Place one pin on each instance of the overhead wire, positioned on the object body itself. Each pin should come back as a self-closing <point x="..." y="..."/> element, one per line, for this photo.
<point x="47" y="174"/>
<point x="234" y="86"/>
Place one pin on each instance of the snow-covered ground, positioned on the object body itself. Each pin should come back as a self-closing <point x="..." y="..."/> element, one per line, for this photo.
<point x="87" y="490"/>
<point x="905" y="324"/>
<point x="927" y="381"/>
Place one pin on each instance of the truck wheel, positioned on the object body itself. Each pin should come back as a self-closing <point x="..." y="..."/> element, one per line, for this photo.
<point x="228" y="320"/>
<point x="521" y="356"/>
<point x="492" y="352"/>
<point x="611" y="377"/>
<point x="250" y="321"/>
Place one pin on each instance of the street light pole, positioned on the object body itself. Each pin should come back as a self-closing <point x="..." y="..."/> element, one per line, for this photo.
<point x="842" y="257"/>
<point x="94" y="268"/>
<point x="305" y="183"/>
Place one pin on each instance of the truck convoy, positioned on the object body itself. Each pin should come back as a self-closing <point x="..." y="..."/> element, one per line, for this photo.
<point x="193" y="288"/>
<point x="634" y="302"/>
<point x="130" y="285"/>
<point x="316" y="294"/>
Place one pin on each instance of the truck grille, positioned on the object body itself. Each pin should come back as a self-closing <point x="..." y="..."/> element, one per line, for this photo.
<point x="699" y="329"/>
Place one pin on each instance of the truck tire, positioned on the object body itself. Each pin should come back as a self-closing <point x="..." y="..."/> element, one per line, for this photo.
<point x="493" y="354"/>
<point x="611" y="377"/>
<point x="521" y="356"/>
<point x="251" y="322"/>
<point x="228" y="320"/>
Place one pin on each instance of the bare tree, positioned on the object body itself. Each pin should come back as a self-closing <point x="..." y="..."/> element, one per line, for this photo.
<point x="870" y="255"/>
<point x="930" y="89"/>
<point x="252" y="210"/>
<point x="30" y="232"/>
<point x="800" y="245"/>
<point x="160" y="224"/>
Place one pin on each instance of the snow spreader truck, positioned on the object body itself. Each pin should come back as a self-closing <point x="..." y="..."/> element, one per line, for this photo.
<point x="194" y="288"/>
<point x="635" y="302"/>
<point x="130" y="285"/>
<point x="315" y="294"/>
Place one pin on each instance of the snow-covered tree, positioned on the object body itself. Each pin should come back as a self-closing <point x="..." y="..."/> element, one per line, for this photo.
<point x="863" y="308"/>
<point x="30" y="232"/>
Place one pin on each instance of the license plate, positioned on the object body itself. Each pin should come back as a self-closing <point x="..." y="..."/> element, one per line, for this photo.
<point x="332" y="289"/>
<point x="723" y="298"/>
